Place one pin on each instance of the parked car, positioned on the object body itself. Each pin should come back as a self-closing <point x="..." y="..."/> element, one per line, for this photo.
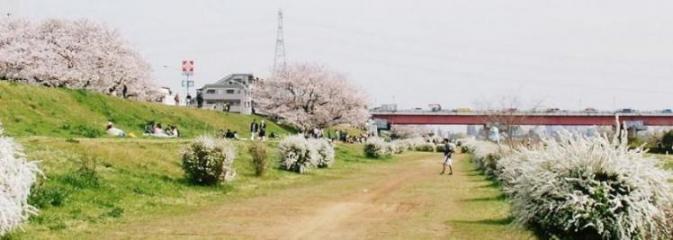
<point x="627" y="110"/>
<point x="552" y="110"/>
<point x="590" y="110"/>
<point x="667" y="111"/>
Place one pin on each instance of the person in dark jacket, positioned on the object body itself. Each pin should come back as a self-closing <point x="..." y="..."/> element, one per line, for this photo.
<point x="199" y="100"/>
<point x="448" y="152"/>
<point x="254" y="129"/>
<point x="262" y="130"/>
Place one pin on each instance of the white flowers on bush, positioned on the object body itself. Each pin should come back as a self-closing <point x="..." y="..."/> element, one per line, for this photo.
<point x="17" y="175"/>
<point x="376" y="147"/>
<point x="300" y="155"/>
<point x="589" y="187"/>
<point x="398" y="146"/>
<point x="425" y="147"/>
<point x="485" y="154"/>
<point x="323" y="150"/>
<point x="411" y="143"/>
<point x="209" y="160"/>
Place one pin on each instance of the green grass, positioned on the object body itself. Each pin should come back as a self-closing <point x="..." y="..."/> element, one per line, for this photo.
<point x="27" y="110"/>
<point x="137" y="179"/>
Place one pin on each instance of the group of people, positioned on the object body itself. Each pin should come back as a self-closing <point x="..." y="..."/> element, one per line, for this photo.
<point x="151" y="129"/>
<point x="258" y="130"/>
<point x="343" y="136"/>
<point x="156" y="130"/>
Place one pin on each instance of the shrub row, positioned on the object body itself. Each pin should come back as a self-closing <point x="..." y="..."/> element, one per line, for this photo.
<point x="378" y="147"/>
<point x="580" y="187"/>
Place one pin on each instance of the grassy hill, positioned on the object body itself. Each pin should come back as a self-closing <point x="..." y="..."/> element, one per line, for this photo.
<point x="29" y="110"/>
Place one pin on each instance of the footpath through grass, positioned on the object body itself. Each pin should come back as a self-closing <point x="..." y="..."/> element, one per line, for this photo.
<point x="27" y="110"/>
<point x="402" y="198"/>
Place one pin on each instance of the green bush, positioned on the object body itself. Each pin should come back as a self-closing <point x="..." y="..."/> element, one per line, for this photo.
<point x="259" y="158"/>
<point x="42" y="197"/>
<point x="209" y="161"/>
<point x="85" y="131"/>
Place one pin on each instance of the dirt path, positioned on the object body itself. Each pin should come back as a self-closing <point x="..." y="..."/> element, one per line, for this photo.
<point x="405" y="200"/>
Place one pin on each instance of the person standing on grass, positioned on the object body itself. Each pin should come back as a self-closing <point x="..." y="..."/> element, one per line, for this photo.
<point x="448" y="152"/>
<point x="262" y="130"/>
<point x="254" y="128"/>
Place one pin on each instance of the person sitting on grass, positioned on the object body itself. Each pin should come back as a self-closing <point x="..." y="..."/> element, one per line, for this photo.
<point x="113" y="131"/>
<point x="173" y="131"/>
<point x="448" y="152"/>
<point x="158" y="131"/>
<point x="229" y="134"/>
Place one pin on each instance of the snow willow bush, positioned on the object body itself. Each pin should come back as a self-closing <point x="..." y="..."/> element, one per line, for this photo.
<point x="323" y="150"/>
<point x="425" y="147"/>
<point x="376" y="148"/>
<point x="296" y="154"/>
<point x="209" y="161"/>
<point x="485" y="154"/>
<point x="17" y="175"/>
<point x="580" y="187"/>
<point x="399" y="146"/>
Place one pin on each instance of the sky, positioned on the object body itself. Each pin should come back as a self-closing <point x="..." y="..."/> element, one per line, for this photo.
<point x="568" y="54"/>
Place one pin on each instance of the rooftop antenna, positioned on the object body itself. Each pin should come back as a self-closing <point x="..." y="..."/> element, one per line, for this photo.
<point x="279" y="64"/>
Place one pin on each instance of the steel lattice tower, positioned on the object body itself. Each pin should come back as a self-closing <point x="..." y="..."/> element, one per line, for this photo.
<point x="279" y="63"/>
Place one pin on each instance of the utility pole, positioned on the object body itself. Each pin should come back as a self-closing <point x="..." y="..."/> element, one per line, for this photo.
<point x="279" y="61"/>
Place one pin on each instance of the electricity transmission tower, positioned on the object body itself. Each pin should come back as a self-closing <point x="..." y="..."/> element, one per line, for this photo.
<point x="279" y="63"/>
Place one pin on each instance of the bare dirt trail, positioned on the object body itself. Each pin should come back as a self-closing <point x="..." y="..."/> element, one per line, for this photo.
<point x="405" y="200"/>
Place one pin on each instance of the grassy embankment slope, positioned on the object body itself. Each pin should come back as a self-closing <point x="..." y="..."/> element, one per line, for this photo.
<point x="136" y="179"/>
<point x="37" y="111"/>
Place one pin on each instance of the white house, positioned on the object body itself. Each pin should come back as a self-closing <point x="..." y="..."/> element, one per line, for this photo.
<point x="233" y="92"/>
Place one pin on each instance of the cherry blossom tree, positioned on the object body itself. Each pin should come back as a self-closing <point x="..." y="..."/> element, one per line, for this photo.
<point x="312" y="96"/>
<point x="74" y="54"/>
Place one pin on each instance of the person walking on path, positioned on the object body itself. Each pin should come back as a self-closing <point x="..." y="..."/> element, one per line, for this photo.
<point x="448" y="161"/>
<point x="254" y="128"/>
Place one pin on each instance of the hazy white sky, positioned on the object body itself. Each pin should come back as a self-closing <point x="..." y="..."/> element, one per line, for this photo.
<point x="566" y="53"/>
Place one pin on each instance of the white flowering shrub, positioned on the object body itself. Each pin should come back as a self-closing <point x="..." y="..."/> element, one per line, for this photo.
<point x="296" y="154"/>
<point x="17" y="176"/>
<point x="485" y="154"/>
<point x="402" y="145"/>
<point x="323" y="150"/>
<point x="209" y="161"/>
<point x="399" y="146"/>
<point x="376" y="148"/>
<point x="425" y="147"/>
<point x="413" y="142"/>
<point x="579" y="187"/>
